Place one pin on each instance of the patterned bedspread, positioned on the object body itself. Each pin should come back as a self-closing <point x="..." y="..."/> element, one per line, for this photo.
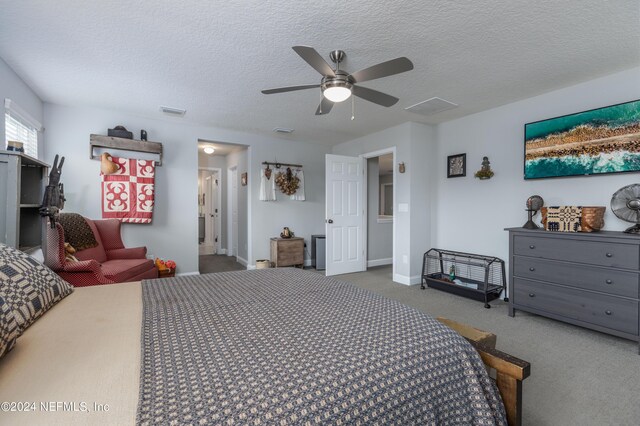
<point x="286" y="346"/>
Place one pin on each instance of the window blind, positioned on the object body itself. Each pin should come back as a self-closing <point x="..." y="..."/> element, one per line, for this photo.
<point x="22" y="127"/>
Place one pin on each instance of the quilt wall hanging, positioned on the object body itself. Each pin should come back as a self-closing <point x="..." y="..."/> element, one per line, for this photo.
<point x="128" y="192"/>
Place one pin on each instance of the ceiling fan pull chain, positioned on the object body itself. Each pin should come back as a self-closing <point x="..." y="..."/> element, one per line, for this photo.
<point x="353" y="108"/>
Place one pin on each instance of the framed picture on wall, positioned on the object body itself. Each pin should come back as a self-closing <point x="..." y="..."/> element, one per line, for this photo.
<point x="243" y="179"/>
<point x="457" y="165"/>
<point x="598" y="141"/>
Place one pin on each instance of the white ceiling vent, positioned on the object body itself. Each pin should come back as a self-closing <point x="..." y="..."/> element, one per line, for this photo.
<point x="431" y="106"/>
<point x="173" y="111"/>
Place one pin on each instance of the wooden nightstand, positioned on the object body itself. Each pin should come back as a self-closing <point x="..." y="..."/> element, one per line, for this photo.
<point x="287" y="251"/>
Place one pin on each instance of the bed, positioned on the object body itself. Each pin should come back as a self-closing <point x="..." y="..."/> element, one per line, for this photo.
<point x="279" y="346"/>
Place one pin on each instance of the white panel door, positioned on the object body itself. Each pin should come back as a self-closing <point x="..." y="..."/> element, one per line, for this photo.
<point x="208" y="217"/>
<point x="234" y="210"/>
<point x="344" y="214"/>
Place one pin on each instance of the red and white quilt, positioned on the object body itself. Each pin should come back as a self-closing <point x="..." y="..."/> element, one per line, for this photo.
<point x="128" y="193"/>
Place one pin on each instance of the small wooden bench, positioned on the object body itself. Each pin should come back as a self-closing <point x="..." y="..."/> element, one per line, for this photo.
<point x="471" y="333"/>
<point x="510" y="371"/>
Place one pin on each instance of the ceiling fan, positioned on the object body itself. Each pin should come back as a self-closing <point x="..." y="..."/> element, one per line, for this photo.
<point x="338" y="85"/>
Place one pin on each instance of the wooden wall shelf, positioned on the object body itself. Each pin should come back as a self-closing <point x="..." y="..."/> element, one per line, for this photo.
<point x="101" y="141"/>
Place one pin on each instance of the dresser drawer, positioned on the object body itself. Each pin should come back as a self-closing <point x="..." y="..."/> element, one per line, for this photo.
<point x="573" y="250"/>
<point x="606" y="311"/>
<point x="612" y="281"/>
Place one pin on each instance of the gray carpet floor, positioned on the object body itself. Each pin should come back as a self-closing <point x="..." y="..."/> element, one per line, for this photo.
<point x="210" y="263"/>
<point x="578" y="376"/>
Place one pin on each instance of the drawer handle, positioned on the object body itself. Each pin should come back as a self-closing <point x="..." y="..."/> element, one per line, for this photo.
<point x="532" y="295"/>
<point x="532" y="246"/>
<point x="532" y="269"/>
<point x="609" y="282"/>
<point x="609" y="254"/>
<point x="608" y="312"/>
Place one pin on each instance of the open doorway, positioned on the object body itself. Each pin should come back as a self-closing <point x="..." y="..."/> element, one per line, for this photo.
<point x="380" y="203"/>
<point x="222" y="207"/>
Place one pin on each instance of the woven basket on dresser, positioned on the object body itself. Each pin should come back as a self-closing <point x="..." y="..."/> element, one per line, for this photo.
<point x="592" y="218"/>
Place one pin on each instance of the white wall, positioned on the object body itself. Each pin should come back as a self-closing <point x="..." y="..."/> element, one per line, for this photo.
<point x="174" y="231"/>
<point x="471" y="214"/>
<point x="304" y="218"/>
<point x="415" y="146"/>
<point x="12" y="87"/>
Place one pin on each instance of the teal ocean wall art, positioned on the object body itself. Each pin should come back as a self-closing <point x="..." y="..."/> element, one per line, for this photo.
<point x="603" y="140"/>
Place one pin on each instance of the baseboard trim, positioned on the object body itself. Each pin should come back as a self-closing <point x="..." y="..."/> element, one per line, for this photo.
<point x="251" y="267"/>
<point x="243" y="262"/>
<point x="403" y="279"/>
<point x="222" y="251"/>
<point x="186" y="274"/>
<point x="379" y="262"/>
<point x="307" y="262"/>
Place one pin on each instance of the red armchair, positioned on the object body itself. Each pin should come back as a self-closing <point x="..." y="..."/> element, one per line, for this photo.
<point x="108" y="263"/>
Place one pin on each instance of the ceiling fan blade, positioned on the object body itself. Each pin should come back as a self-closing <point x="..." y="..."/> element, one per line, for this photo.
<point x="384" y="69"/>
<point x="289" y="89"/>
<point x="313" y="58"/>
<point x="324" y="107"/>
<point x="374" y="96"/>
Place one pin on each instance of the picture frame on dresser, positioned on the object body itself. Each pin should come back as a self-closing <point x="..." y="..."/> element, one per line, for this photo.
<point x="587" y="279"/>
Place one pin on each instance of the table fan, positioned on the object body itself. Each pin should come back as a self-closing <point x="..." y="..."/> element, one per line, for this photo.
<point x="625" y="204"/>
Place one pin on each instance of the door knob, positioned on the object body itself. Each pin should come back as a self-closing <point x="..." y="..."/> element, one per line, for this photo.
<point x="330" y="221"/>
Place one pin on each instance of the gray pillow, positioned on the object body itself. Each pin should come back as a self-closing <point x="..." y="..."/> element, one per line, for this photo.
<point x="28" y="287"/>
<point x="8" y="328"/>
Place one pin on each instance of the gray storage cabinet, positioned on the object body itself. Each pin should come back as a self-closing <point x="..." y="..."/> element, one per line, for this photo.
<point x="586" y="279"/>
<point x="318" y="254"/>
<point x="22" y="183"/>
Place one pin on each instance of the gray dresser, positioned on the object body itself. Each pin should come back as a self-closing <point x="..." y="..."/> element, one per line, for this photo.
<point x="587" y="279"/>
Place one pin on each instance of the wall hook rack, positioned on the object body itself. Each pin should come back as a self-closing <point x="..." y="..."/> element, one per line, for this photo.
<point x="100" y="141"/>
<point x="279" y="165"/>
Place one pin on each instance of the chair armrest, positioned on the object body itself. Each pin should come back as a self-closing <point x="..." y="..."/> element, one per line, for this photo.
<point x="84" y="273"/>
<point x="90" y="265"/>
<point x="127" y="253"/>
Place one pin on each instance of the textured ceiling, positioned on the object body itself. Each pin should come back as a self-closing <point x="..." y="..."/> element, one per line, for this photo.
<point x="213" y="58"/>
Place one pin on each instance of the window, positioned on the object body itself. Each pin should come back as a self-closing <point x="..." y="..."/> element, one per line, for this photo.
<point x="20" y="126"/>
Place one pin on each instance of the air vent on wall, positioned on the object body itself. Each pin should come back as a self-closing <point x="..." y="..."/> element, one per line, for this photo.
<point x="431" y="106"/>
<point x="283" y="130"/>
<point x="173" y="111"/>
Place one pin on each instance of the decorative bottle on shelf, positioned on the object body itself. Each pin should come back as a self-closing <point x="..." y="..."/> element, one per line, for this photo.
<point x="452" y="272"/>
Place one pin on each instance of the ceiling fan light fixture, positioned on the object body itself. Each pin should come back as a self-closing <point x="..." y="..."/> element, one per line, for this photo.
<point x="337" y="93"/>
<point x="209" y="150"/>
